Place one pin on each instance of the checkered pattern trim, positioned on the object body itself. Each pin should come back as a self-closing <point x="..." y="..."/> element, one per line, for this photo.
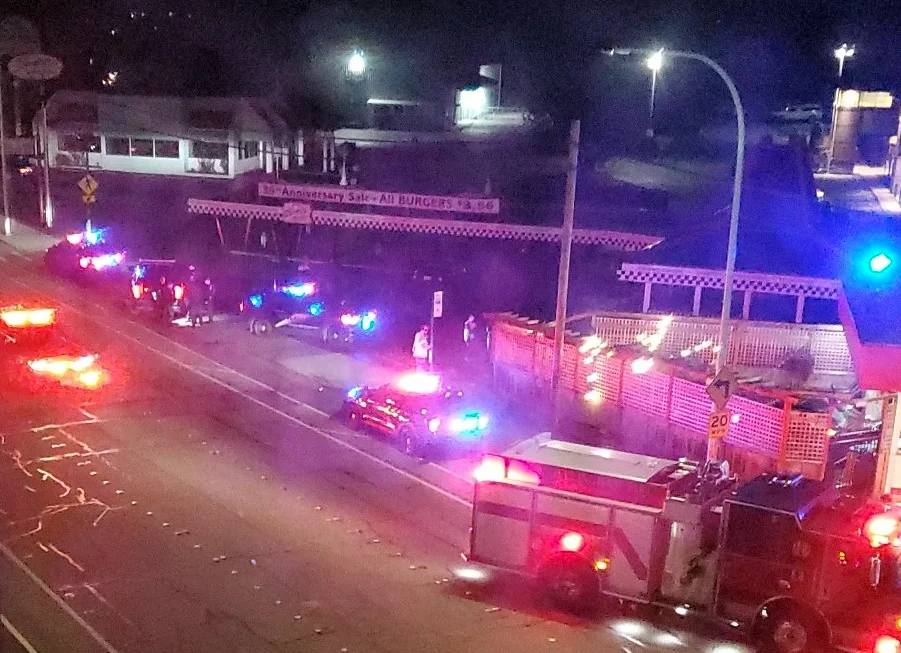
<point x="461" y="228"/>
<point x="754" y="281"/>
<point x="234" y="210"/>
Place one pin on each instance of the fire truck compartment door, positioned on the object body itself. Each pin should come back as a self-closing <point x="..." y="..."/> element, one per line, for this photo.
<point x="632" y="542"/>
<point x="501" y="523"/>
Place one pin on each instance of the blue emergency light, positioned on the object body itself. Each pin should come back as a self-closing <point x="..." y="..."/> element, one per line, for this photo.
<point x="255" y="300"/>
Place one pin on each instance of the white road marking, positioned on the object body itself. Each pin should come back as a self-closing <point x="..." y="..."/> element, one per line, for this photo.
<point x="262" y="404"/>
<point x="24" y="643"/>
<point x="96" y="636"/>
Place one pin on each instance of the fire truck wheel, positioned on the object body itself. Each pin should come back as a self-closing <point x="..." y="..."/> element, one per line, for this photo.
<point x="571" y="584"/>
<point x="353" y="418"/>
<point x="261" y="327"/>
<point x="791" y="628"/>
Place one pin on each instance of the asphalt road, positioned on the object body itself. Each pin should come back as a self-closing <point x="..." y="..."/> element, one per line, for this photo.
<point x="207" y="501"/>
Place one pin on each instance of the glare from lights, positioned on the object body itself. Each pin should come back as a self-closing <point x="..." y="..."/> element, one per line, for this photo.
<point x="629" y="628"/>
<point x="887" y="644"/>
<point x="593" y="377"/>
<point x="473" y="101"/>
<point x="356" y="64"/>
<point x="602" y="565"/>
<point x="111" y="78"/>
<point x="728" y="648"/>
<point x="572" y="542"/>
<point x="844" y="52"/>
<point x="470" y="574"/>
<point x="681" y="610"/>
<point x="434" y="424"/>
<point x="668" y="640"/>
<point x="655" y="61"/>
<point x="736" y="418"/>
<point x="593" y="397"/>
<point x="880" y="263"/>
<point x="642" y="365"/>
<point x="419" y="383"/>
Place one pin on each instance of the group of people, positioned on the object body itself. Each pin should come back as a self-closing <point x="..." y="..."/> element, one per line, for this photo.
<point x="422" y="343"/>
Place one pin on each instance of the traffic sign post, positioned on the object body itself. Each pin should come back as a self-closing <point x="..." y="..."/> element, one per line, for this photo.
<point x="718" y="425"/>
<point x="88" y="186"/>
<point x="437" y="311"/>
<point x="720" y="391"/>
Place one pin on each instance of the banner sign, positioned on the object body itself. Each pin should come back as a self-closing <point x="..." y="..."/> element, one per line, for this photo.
<point x="346" y="195"/>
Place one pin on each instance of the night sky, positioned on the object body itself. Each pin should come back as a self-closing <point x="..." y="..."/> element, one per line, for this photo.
<point x="779" y="51"/>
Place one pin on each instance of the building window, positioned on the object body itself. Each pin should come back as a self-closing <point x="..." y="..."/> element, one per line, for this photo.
<point x="117" y="145"/>
<point x="165" y="149"/>
<point x="142" y="147"/>
<point x="208" y="150"/>
<point x="79" y="143"/>
<point x="248" y="149"/>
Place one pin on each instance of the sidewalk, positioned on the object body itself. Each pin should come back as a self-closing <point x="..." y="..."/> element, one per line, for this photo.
<point x="28" y="239"/>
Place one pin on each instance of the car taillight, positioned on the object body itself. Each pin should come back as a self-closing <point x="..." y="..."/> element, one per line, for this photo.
<point x="572" y="542"/>
<point x="26" y="318"/>
<point x="887" y="644"/>
<point x="178" y="291"/>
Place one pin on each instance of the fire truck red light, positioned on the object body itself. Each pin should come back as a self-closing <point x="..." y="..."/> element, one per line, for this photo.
<point x="491" y="469"/>
<point x="572" y="542"/>
<point x="887" y="645"/>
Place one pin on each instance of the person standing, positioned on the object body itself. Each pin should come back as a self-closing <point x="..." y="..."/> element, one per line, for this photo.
<point x="422" y="346"/>
<point x="469" y="337"/>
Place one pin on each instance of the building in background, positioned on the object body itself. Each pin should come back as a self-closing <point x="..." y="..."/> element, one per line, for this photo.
<point x="862" y="127"/>
<point x="209" y="137"/>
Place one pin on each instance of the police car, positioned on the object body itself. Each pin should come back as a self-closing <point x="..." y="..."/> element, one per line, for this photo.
<point x="303" y="302"/>
<point x="84" y="253"/>
<point x="418" y="412"/>
<point x="36" y="356"/>
<point x="176" y="292"/>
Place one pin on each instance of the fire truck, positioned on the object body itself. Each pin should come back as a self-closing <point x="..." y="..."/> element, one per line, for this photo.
<point x="796" y="564"/>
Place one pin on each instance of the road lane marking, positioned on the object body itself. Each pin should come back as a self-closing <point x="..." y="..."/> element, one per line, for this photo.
<point x="88" y="628"/>
<point x="262" y="404"/>
<point x="24" y="643"/>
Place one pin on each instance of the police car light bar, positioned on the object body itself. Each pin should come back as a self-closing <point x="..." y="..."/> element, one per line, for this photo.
<point x="29" y="318"/>
<point x="300" y="289"/>
<point x="419" y="383"/>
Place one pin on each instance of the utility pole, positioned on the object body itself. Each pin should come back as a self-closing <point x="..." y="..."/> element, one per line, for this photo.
<point x="7" y="219"/>
<point x="566" y="243"/>
<point x="87" y="172"/>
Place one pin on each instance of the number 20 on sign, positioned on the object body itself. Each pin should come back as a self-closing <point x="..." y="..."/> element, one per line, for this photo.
<point x="718" y="426"/>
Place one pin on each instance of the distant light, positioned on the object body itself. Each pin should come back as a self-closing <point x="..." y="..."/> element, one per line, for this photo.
<point x="844" y="52"/>
<point x="473" y="101"/>
<point x="368" y="321"/>
<point x="655" y="61"/>
<point x="593" y="397"/>
<point x="642" y="365"/>
<point x="681" y="610"/>
<point x="602" y="565"/>
<point x="880" y="263"/>
<point x="356" y="65"/>
<point x="736" y="418"/>
<point x="350" y="319"/>
<point x="434" y="424"/>
<point x="315" y="309"/>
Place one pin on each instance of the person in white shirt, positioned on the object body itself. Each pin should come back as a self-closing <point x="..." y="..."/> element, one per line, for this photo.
<point x="422" y="345"/>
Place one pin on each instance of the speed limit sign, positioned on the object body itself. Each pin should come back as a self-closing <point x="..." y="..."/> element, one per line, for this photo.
<point x="718" y="425"/>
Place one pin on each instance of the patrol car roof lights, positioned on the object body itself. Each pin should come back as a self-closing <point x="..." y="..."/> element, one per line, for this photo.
<point x="419" y="383"/>
<point x="367" y="322"/>
<point x="300" y="289"/>
<point x="350" y="319"/>
<point x="469" y="423"/>
<point x="29" y="318"/>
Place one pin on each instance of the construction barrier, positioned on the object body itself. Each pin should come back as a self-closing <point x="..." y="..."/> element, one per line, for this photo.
<point x="660" y="411"/>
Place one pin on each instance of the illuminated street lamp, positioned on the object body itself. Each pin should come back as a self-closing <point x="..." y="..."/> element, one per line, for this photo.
<point x="356" y="64"/>
<point x="842" y="53"/>
<point x="713" y="452"/>
<point x="654" y="63"/>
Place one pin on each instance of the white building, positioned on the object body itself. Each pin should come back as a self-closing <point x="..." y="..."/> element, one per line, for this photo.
<point x="208" y="137"/>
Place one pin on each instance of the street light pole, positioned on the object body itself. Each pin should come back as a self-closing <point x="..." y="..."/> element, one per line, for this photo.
<point x="841" y="54"/>
<point x="713" y="449"/>
<point x="654" y="62"/>
<point x="566" y="243"/>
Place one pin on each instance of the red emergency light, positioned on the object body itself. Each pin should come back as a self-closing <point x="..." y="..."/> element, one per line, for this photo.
<point x="887" y="644"/>
<point x="883" y="529"/>
<point x="29" y="318"/>
<point x="572" y="541"/>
